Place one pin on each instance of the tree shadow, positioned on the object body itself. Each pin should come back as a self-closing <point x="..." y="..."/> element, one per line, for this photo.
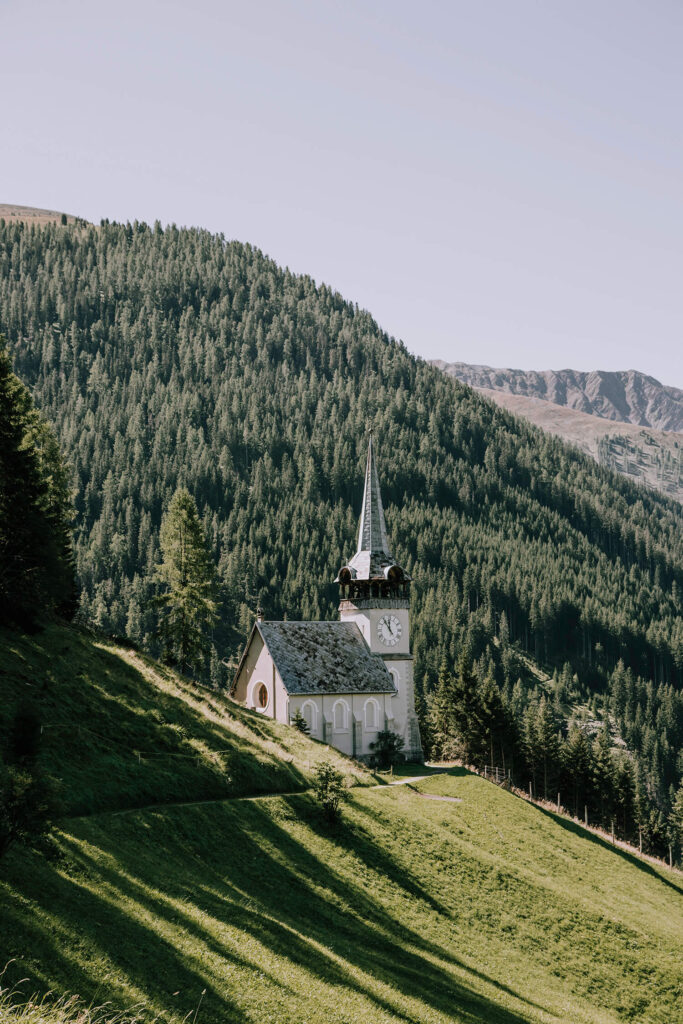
<point x="300" y="909"/>
<point x="132" y="743"/>
<point x="67" y="947"/>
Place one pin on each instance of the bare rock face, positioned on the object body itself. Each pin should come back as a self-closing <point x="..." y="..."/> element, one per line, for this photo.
<point x="626" y="396"/>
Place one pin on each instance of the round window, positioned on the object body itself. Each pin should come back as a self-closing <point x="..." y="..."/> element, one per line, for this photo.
<point x="262" y="696"/>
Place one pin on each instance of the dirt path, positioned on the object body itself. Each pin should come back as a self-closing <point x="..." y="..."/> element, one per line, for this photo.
<point x="409" y="782"/>
<point x="271" y="796"/>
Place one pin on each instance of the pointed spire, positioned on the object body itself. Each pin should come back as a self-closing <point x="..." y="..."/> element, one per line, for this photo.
<point x="372" y="532"/>
<point x="373" y="561"/>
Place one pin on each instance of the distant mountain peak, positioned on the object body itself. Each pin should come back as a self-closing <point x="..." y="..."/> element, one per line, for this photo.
<point x="625" y="396"/>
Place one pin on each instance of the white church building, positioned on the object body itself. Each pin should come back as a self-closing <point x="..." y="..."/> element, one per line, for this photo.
<point x="350" y="678"/>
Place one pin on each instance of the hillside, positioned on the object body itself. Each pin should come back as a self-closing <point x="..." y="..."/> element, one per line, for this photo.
<point x="626" y="397"/>
<point x="647" y="456"/>
<point x="120" y="731"/>
<point x="33" y="215"/>
<point x="477" y="908"/>
<point x="168" y="356"/>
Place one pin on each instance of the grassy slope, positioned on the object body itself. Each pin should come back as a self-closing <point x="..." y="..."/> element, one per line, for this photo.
<point x="120" y="731"/>
<point x="413" y="910"/>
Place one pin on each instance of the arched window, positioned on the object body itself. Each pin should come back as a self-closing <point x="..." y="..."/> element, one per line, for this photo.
<point x="371" y="714"/>
<point x="340" y="715"/>
<point x="259" y="696"/>
<point x="394" y="676"/>
<point x="310" y="713"/>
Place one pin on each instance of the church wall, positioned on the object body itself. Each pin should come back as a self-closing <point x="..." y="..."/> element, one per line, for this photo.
<point x="258" y="669"/>
<point x="342" y="738"/>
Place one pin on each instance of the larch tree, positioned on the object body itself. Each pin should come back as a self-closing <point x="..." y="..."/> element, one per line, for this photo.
<point x="188" y="606"/>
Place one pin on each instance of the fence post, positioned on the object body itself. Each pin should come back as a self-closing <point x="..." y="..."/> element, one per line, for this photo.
<point x="671" y="861"/>
<point x="640" y="839"/>
<point x="612" y="831"/>
<point x="558" y="803"/>
<point x="585" y="815"/>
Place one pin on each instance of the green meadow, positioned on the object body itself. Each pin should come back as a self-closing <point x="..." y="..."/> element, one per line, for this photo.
<point x="240" y="904"/>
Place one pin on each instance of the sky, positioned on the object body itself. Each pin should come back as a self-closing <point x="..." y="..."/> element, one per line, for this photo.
<point x="498" y="181"/>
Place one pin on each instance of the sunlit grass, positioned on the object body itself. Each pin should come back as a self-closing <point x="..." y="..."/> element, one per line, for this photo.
<point x="411" y="911"/>
<point x="120" y="731"/>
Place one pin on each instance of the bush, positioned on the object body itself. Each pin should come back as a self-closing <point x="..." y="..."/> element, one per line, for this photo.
<point x="386" y="750"/>
<point x="300" y="723"/>
<point x="329" y="789"/>
<point x="27" y="796"/>
<point x="27" y="805"/>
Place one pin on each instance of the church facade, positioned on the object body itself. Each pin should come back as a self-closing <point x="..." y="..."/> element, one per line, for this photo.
<point x="350" y="678"/>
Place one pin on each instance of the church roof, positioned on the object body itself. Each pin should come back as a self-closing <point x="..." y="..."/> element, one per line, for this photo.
<point x="324" y="657"/>
<point x="373" y="559"/>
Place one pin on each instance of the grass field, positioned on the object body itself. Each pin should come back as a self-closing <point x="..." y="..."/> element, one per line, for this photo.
<point x="120" y="731"/>
<point x="252" y="909"/>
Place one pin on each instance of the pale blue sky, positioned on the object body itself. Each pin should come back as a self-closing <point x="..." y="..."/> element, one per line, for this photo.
<point x="497" y="181"/>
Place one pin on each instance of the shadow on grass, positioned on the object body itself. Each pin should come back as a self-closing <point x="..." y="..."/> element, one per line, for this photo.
<point x="117" y="740"/>
<point x="255" y="877"/>
<point x="586" y="834"/>
<point x="228" y="889"/>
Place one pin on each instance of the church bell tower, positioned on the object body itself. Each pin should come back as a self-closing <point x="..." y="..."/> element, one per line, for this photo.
<point x="375" y="594"/>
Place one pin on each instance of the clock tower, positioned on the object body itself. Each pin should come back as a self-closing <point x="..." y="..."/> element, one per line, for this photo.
<point x="375" y="594"/>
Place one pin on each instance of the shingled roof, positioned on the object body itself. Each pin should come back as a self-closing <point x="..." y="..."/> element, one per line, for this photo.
<point x="324" y="657"/>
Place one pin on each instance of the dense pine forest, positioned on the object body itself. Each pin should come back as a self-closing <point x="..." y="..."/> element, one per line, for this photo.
<point x="168" y="357"/>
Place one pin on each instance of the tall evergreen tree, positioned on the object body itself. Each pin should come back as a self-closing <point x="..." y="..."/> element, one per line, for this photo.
<point x="466" y="707"/>
<point x="188" y="607"/>
<point x="36" y="564"/>
<point x="604" y="777"/>
<point x="577" y="771"/>
<point x="442" y="714"/>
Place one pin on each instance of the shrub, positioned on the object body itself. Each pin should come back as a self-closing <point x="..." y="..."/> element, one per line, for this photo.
<point x="329" y="789"/>
<point x="27" y="805"/>
<point x="300" y="723"/>
<point x="27" y="795"/>
<point x="386" y="749"/>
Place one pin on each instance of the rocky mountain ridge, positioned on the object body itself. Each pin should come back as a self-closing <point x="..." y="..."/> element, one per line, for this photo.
<point x="625" y="396"/>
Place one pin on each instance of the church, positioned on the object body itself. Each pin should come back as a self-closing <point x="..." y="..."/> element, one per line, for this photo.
<point x="351" y="678"/>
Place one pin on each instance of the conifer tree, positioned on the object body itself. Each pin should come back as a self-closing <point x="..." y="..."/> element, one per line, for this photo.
<point x="442" y="710"/>
<point x="577" y="766"/>
<point x="547" y="746"/>
<point x="466" y="706"/>
<point x="187" y="607"/>
<point x="603" y="774"/>
<point x="36" y="564"/>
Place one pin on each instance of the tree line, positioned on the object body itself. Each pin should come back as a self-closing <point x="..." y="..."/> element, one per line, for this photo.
<point x="534" y="741"/>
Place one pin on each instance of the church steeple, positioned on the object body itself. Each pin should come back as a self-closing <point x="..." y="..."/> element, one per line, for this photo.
<point x="372" y="532"/>
<point x="372" y="572"/>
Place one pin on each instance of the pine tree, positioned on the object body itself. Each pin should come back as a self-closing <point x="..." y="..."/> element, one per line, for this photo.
<point x="604" y="774"/>
<point x="577" y="766"/>
<point x="466" y="706"/>
<point x="547" y="746"/>
<point x="36" y="563"/>
<point x="442" y="710"/>
<point x="188" y="607"/>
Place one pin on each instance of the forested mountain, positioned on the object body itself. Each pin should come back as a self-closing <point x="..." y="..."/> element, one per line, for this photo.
<point x="626" y="396"/>
<point x="646" y="456"/>
<point x="170" y="357"/>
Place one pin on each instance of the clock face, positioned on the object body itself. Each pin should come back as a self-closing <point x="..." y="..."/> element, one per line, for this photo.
<point x="389" y="630"/>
